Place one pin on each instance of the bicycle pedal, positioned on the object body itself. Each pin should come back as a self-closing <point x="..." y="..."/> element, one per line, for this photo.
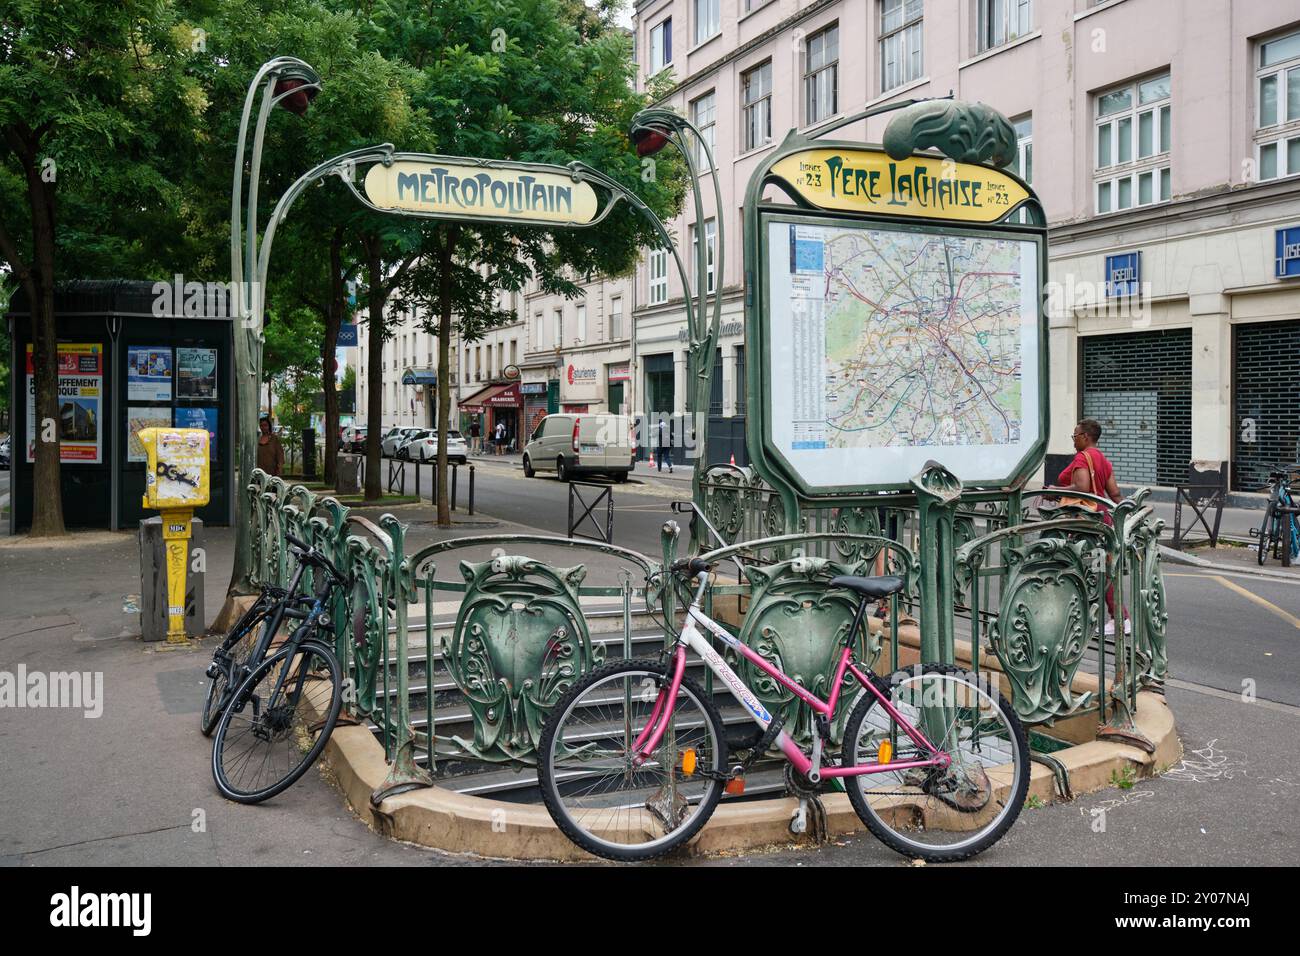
<point x="735" y="786"/>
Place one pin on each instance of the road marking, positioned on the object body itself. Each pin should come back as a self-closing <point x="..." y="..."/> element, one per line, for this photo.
<point x="1229" y="695"/>
<point x="1249" y="595"/>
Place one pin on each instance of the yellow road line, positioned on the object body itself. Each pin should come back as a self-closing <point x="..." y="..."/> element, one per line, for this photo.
<point x="1250" y="596"/>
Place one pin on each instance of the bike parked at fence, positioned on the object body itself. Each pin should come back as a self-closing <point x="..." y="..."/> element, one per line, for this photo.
<point x="634" y="758"/>
<point x="286" y="693"/>
<point x="1279" y="533"/>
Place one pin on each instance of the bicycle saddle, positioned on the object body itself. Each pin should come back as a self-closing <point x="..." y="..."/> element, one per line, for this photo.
<point x="877" y="587"/>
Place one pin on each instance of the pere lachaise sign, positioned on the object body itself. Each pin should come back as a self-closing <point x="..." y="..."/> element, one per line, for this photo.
<point x="869" y="181"/>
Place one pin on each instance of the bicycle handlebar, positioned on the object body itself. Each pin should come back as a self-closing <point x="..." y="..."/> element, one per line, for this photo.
<point x="309" y="554"/>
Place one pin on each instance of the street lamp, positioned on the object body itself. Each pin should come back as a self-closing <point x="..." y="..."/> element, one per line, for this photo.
<point x="292" y="84"/>
<point x="653" y="129"/>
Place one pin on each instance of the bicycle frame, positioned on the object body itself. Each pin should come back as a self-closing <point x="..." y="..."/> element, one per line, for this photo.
<point x="692" y="638"/>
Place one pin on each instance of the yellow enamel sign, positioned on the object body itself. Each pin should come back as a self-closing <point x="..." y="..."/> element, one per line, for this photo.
<point x="436" y="188"/>
<point x="868" y="181"/>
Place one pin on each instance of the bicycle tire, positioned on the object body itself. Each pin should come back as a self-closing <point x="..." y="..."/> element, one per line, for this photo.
<point x="219" y="689"/>
<point x="913" y="849"/>
<point x="247" y="695"/>
<point x="555" y="800"/>
<point x="1264" y="536"/>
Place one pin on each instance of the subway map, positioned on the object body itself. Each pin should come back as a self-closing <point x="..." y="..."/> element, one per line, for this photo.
<point x="904" y="339"/>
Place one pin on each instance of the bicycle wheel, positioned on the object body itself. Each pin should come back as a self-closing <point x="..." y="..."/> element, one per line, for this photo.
<point x="597" y="798"/>
<point x="228" y="662"/>
<point x="264" y="741"/>
<point x="938" y="814"/>
<point x="1264" y="533"/>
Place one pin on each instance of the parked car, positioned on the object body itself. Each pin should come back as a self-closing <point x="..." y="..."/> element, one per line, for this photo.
<point x="572" y="445"/>
<point x="6" y="452"/>
<point x="354" y="439"/>
<point x="425" y="447"/>
<point x="402" y="446"/>
<point x="394" y="439"/>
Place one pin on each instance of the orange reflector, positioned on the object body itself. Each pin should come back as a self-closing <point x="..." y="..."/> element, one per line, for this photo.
<point x="735" y="786"/>
<point x="885" y="753"/>
<point x="688" y="761"/>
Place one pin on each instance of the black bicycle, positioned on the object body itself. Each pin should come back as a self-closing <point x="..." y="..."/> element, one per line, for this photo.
<point x="1280" y="531"/>
<point x="229" y="665"/>
<point x="275" y="725"/>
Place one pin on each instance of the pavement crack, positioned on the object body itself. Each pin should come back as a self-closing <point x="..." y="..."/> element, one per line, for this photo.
<point x="37" y="630"/>
<point x="117" y="836"/>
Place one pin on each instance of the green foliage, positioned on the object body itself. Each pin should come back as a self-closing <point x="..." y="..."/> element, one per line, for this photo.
<point x="1124" y="779"/>
<point x="1033" y="802"/>
<point x="544" y="81"/>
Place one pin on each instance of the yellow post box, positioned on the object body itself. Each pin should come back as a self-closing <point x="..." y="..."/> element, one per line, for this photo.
<point x="175" y="483"/>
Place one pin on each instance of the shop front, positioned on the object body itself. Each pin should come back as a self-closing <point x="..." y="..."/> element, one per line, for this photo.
<point x="580" y="385"/>
<point x="499" y="404"/>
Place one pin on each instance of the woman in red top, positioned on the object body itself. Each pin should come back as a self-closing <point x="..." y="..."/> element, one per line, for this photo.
<point x="1098" y="480"/>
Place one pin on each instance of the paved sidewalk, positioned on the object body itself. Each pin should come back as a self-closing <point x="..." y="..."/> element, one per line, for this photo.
<point x="134" y="785"/>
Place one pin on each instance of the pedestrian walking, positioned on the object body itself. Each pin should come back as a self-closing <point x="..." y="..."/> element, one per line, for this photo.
<point x="665" y="445"/>
<point x="1090" y="472"/>
<point x="501" y="437"/>
<point x="270" y="453"/>
<point x="475" y="437"/>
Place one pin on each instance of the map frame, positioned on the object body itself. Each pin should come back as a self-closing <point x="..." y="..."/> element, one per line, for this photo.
<point x="759" y="331"/>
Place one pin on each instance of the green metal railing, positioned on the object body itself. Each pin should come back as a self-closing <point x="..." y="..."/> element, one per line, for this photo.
<point x="980" y="570"/>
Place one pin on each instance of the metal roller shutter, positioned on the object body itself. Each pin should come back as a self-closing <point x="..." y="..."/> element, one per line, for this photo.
<point x="1139" y="387"/>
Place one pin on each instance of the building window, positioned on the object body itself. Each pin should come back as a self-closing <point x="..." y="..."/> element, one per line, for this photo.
<point x="1023" y="164"/>
<point x="1001" y="21"/>
<point x="1133" y="139"/>
<point x="616" y="318"/>
<point x="900" y="42"/>
<point x="711" y="248"/>
<point x="821" y="75"/>
<point x="756" y="105"/>
<point x="708" y="19"/>
<point x="1277" y="113"/>
<point x="752" y="5"/>
<point x="538" y="331"/>
<point x="661" y="45"/>
<point x="580" y="333"/>
<point x="658" y="276"/>
<point x="559" y="328"/>
<point x="704" y="114"/>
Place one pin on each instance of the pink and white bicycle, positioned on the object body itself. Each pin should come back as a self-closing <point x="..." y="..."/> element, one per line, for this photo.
<point x="634" y="758"/>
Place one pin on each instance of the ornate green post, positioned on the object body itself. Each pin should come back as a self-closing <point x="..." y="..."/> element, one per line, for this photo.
<point x="403" y="773"/>
<point x="937" y="493"/>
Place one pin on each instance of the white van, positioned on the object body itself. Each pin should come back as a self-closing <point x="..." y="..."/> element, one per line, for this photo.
<point x="581" y="444"/>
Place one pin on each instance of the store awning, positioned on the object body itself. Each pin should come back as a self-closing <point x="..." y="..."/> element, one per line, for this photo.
<point x="420" y="376"/>
<point x="494" y="396"/>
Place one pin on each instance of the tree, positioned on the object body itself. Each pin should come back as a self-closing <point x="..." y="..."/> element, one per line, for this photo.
<point x="546" y="81"/>
<point x="96" y="106"/>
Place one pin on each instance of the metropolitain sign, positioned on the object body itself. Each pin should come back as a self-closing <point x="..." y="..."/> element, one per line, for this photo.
<point x="868" y="181"/>
<point x="526" y="193"/>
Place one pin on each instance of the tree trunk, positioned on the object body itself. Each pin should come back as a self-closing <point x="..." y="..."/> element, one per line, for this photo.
<point x="47" y="481"/>
<point x="333" y="320"/>
<point x="445" y="256"/>
<point x="374" y="367"/>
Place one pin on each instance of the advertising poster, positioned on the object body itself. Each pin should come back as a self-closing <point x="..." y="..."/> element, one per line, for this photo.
<point x="138" y="418"/>
<point x="200" y="418"/>
<point x="81" y="396"/>
<point x="148" y="373"/>
<point x="196" y="373"/>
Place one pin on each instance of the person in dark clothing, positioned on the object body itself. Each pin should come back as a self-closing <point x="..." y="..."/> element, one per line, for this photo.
<point x="665" y="445"/>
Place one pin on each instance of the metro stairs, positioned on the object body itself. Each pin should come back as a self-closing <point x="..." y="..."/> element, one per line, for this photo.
<point x="452" y="716"/>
